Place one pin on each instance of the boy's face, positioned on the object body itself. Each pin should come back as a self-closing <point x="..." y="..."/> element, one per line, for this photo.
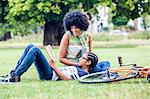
<point x="75" y="30"/>
<point x="84" y="60"/>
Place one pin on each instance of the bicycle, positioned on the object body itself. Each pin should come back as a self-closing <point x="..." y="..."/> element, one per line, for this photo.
<point x="117" y="74"/>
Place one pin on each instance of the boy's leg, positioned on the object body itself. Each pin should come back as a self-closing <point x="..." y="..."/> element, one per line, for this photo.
<point x="20" y="60"/>
<point x="35" y="55"/>
<point x="44" y="70"/>
<point x="24" y="54"/>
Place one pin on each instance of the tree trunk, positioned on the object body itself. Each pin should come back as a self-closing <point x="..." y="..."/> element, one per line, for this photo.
<point x="5" y="37"/>
<point x="53" y="32"/>
<point x="135" y="24"/>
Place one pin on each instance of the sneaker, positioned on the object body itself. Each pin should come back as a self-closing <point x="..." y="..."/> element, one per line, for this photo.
<point x="9" y="74"/>
<point x="11" y="78"/>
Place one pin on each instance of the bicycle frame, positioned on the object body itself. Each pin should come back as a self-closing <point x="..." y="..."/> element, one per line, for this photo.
<point x="139" y="70"/>
<point x="117" y="74"/>
<point x="142" y="70"/>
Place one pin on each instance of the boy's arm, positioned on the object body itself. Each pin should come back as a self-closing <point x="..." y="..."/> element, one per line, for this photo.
<point x="58" y="72"/>
<point x="52" y="64"/>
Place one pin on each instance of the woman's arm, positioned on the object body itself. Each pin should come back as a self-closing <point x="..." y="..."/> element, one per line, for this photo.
<point x="90" y="42"/>
<point x="63" y="51"/>
<point x="60" y="74"/>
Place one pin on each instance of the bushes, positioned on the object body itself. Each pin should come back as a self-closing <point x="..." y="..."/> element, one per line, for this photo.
<point x="107" y="37"/>
<point x="119" y="36"/>
<point x="140" y="35"/>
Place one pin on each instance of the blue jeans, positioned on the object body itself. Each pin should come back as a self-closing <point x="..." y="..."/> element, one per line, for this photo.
<point x="33" y="54"/>
<point x="101" y="66"/>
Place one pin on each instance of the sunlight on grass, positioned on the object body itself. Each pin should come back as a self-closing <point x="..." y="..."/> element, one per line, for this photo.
<point x="133" y="51"/>
<point x="31" y="87"/>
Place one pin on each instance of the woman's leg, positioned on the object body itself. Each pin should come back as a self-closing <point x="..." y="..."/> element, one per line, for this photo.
<point x="35" y="56"/>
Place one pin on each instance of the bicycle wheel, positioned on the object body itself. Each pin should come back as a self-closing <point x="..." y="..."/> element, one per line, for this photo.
<point x="107" y="76"/>
<point x="148" y="77"/>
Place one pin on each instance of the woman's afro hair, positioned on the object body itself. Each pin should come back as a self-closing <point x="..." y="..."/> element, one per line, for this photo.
<point x="93" y="58"/>
<point x="77" y="19"/>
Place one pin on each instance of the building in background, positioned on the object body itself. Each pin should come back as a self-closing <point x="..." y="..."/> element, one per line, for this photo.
<point x="99" y="22"/>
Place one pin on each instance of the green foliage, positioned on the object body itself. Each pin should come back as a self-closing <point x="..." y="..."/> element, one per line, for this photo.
<point x="3" y="10"/>
<point x="146" y="21"/>
<point x="3" y="28"/>
<point x="128" y="9"/>
<point x="89" y="5"/>
<point x="22" y="14"/>
<point x="18" y="28"/>
<point x="30" y="12"/>
<point x="23" y="11"/>
<point x="145" y="7"/>
<point x="120" y="20"/>
<point x="40" y="11"/>
<point x="23" y="29"/>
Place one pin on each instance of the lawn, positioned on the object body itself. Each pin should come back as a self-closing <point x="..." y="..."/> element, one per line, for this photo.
<point x="31" y="87"/>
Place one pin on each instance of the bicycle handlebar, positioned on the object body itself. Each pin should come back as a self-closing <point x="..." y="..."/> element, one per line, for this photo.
<point x="121" y="63"/>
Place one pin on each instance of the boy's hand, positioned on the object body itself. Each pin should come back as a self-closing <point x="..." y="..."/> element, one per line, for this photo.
<point x="51" y="62"/>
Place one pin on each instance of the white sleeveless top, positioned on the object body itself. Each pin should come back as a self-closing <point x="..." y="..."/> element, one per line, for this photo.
<point x="74" y="71"/>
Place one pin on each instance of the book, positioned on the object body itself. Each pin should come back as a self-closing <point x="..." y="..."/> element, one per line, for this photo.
<point x="50" y="52"/>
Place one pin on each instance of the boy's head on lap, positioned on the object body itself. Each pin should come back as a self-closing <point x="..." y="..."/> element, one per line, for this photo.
<point x="89" y="60"/>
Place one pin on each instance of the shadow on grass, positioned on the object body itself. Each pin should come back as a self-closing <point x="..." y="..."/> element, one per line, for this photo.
<point x="129" y="81"/>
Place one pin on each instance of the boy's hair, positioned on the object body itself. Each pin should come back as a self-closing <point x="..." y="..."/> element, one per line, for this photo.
<point x="93" y="58"/>
<point x="77" y="19"/>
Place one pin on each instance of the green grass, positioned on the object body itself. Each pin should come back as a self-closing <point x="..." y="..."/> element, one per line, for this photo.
<point x="31" y="87"/>
<point x="136" y="35"/>
<point x="107" y="37"/>
<point x="117" y="41"/>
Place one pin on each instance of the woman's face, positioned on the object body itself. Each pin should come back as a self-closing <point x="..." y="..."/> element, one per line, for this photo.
<point x="75" y="30"/>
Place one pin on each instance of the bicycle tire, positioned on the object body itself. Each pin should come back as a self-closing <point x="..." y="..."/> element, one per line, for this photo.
<point x="148" y="77"/>
<point x="83" y="79"/>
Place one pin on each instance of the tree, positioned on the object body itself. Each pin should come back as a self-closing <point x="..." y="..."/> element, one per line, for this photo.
<point x="6" y="28"/>
<point x="127" y="9"/>
<point x="146" y="24"/>
<point x="4" y="34"/>
<point x="49" y="13"/>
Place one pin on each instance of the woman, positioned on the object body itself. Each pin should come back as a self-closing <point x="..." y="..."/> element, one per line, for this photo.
<point x="48" y="70"/>
<point x="76" y="41"/>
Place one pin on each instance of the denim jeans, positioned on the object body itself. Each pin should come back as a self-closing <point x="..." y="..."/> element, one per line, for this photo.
<point x="33" y="54"/>
<point x="101" y="66"/>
